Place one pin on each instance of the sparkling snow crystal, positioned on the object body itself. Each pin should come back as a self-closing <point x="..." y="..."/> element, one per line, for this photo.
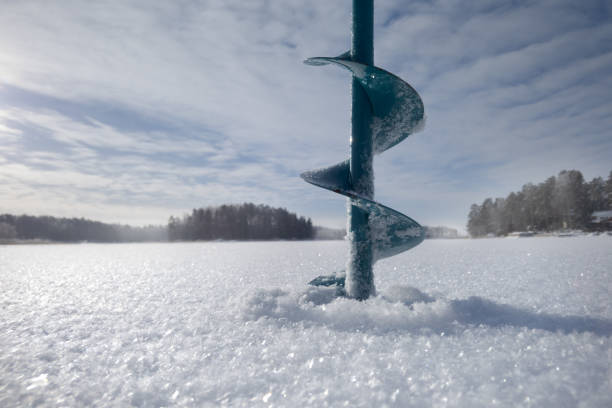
<point x="465" y="323"/>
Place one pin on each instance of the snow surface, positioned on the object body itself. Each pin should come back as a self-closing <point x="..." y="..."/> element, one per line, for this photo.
<point x="467" y="323"/>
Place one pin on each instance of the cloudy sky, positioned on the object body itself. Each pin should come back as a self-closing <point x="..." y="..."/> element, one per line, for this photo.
<point x="132" y="111"/>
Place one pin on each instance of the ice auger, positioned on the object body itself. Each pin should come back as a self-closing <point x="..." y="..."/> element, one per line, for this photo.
<point x="385" y="111"/>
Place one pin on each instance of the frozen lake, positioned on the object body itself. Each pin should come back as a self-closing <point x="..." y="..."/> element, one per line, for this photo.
<point x="471" y="323"/>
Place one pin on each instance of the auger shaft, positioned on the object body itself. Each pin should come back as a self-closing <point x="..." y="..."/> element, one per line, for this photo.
<point x="360" y="278"/>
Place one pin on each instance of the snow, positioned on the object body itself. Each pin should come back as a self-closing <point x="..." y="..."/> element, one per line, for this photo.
<point x="461" y="323"/>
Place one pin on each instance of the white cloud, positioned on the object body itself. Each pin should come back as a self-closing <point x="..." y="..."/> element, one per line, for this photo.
<point x="513" y="93"/>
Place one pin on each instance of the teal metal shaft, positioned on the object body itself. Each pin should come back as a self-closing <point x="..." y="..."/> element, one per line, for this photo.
<point x="360" y="279"/>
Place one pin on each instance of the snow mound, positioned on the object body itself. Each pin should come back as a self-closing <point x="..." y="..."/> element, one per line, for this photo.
<point x="405" y="309"/>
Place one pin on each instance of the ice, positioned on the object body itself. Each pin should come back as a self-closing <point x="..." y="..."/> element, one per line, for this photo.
<point x="465" y="323"/>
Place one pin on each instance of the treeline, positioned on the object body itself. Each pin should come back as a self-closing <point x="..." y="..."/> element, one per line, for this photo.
<point x="239" y="222"/>
<point x="440" y="232"/>
<point x="324" y="233"/>
<point x="562" y="202"/>
<point x="28" y="227"/>
<point x="227" y="222"/>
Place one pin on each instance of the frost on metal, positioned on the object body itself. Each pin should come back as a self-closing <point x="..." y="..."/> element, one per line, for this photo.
<point x="365" y="185"/>
<point x="356" y="284"/>
<point x="398" y="109"/>
<point x="391" y="231"/>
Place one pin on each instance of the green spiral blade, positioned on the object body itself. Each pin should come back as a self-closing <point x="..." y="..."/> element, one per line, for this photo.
<point x="398" y="111"/>
<point x="396" y="106"/>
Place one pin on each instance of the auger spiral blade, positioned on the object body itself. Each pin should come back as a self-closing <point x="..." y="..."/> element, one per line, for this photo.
<point x="386" y="110"/>
<point x="396" y="106"/>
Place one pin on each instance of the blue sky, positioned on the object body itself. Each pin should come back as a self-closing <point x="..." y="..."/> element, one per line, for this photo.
<point x="132" y="111"/>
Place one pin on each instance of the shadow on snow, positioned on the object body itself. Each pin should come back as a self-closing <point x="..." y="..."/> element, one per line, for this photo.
<point x="408" y="309"/>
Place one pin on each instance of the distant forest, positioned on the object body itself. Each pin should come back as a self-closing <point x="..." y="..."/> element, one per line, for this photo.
<point x="229" y="222"/>
<point x="562" y="202"/>
<point x="226" y="222"/>
<point x="28" y="227"/>
<point x="240" y="222"/>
